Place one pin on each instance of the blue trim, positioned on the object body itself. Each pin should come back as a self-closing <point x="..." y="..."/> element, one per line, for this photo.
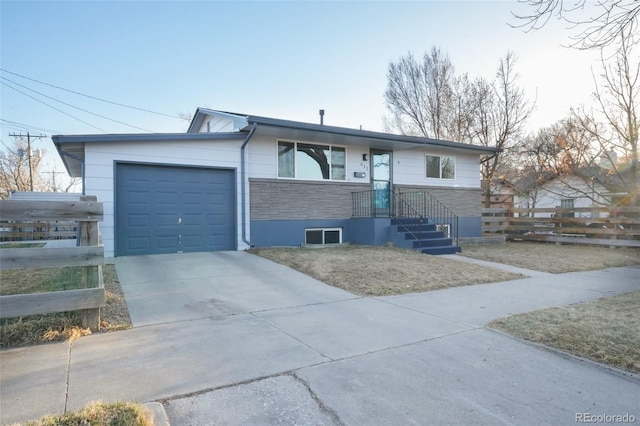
<point x="358" y="230"/>
<point x="290" y="233"/>
<point x="470" y="226"/>
<point x="369" y="231"/>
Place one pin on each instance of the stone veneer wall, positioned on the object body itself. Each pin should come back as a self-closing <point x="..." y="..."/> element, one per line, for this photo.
<point x="283" y="199"/>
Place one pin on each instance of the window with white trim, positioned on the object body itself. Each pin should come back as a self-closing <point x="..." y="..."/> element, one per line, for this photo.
<point x="440" y="167"/>
<point x="311" y="161"/>
<point x="567" y="203"/>
<point x="323" y="236"/>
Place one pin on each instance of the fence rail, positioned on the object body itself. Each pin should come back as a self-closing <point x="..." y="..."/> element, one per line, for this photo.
<point x="618" y="226"/>
<point x="89" y="255"/>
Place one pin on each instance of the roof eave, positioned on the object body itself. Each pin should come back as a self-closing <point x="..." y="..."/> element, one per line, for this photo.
<point x="386" y="137"/>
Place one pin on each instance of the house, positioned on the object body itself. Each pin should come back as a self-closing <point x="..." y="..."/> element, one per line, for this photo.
<point x="503" y="193"/>
<point x="233" y="181"/>
<point x="583" y="188"/>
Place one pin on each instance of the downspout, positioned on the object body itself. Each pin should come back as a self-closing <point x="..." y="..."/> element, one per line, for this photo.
<point x="243" y="190"/>
<point x="75" y="157"/>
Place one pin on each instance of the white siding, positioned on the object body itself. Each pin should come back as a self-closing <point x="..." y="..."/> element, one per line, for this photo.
<point x="551" y="193"/>
<point x="100" y="159"/>
<point x="409" y="166"/>
<point x="261" y="160"/>
<point x="216" y="124"/>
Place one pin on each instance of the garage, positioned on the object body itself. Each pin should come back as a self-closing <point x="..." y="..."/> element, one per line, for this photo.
<point x="173" y="209"/>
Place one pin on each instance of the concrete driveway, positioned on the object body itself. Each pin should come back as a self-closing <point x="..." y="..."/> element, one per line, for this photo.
<point x="230" y="338"/>
<point x="180" y="287"/>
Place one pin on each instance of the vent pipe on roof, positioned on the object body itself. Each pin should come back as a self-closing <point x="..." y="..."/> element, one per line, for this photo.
<point x="321" y="117"/>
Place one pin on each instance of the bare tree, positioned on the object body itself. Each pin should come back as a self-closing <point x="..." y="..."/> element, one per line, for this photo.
<point x="429" y="100"/>
<point x="611" y="19"/>
<point x="566" y="153"/>
<point x="419" y="94"/>
<point x="19" y="172"/>
<point x="615" y="124"/>
<point x="499" y="118"/>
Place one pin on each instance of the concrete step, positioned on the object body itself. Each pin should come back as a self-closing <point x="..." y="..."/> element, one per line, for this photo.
<point x="423" y="235"/>
<point x="433" y="242"/>
<point x="418" y="227"/>
<point x="441" y="250"/>
<point x="408" y="221"/>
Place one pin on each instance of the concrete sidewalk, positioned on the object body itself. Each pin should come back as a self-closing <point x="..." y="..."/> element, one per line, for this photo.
<point x="272" y="346"/>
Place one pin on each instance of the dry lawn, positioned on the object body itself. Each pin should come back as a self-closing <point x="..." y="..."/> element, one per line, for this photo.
<point x="548" y="257"/>
<point x="382" y="271"/>
<point x="101" y="414"/>
<point x="37" y="329"/>
<point x="606" y="330"/>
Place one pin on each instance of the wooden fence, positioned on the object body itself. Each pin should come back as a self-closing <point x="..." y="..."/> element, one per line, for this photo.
<point x="599" y="226"/>
<point x="89" y="255"/>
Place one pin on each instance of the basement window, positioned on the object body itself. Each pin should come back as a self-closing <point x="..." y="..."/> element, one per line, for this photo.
<point x="323" y="236"/>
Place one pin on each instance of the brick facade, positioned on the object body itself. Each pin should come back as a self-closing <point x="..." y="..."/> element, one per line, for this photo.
<point x="279" y="199"/>
<point x="464" y="202"/>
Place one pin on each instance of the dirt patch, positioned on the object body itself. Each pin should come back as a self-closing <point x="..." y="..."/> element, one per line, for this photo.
<point x="36" y="329"/>
<point x="606" y="330"/>
<point x="382" y="271"/>
<point x="556" y="259"/>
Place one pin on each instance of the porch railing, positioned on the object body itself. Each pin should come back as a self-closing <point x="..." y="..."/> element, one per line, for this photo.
<point x="433" y="209"/>
<point x="418" y="204"/>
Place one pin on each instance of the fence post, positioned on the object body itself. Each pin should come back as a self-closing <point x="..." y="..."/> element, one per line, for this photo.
<point x="89" y="236"/>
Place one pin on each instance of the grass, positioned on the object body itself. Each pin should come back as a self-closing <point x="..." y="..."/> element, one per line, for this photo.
<point x="21" y="245"/>
<point x="382" y="271"/>
<point x="546" y="257"/>
<point x="100" y="414"/>
<point x="36" y="329"/>
<point x="24" y="281"/>
<point x="605" y="331"/>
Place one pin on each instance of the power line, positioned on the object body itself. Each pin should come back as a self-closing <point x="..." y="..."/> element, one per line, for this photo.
<point x="52" y="107"/>
<point x="26" y="127"/>
<point x="73" y="106"/>
<point x="91" y="97"/>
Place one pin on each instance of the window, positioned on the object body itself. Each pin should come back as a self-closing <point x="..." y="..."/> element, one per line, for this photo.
<point x="323" y="236"/>
<point x="567" y="203"/>
<point x="310" y="161"/>
<point x="441" y="167"/>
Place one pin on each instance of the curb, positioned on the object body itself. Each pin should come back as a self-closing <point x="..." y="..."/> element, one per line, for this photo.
<point x="160" y="417"/>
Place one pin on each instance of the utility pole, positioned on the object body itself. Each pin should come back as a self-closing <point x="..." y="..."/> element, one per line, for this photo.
<point x="53" y="178"/>
<point x="28" y="136"/>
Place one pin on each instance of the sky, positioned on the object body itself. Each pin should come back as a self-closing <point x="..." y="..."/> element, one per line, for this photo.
<point x="281" y="59"/>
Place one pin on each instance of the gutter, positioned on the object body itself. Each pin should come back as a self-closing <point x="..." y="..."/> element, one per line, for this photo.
<point x="243" y="190"/>
<point x="77" y="158"/>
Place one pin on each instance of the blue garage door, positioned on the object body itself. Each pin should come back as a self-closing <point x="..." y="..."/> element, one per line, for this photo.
<point x="166" y="209"/>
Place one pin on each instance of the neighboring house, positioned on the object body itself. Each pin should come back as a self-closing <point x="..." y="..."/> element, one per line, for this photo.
<point x="568" y="191"/>
<point x="503" y="193"/>
<point x="233" y="181"/>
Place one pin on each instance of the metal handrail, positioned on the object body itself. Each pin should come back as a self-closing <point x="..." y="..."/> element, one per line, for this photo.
<point x="417" y="204"/>
<point x="432" y="208"/>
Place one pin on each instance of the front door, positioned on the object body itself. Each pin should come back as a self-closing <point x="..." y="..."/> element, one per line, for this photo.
<point x="381" y="182"/>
